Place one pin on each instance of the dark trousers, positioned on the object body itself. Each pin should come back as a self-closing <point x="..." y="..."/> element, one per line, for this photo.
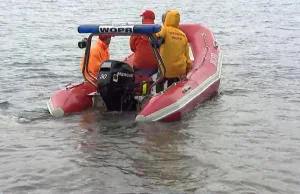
<point x="170" y="81"/>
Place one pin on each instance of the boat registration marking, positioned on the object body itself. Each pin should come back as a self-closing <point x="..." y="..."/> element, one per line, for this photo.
<point x="213" y="59"/>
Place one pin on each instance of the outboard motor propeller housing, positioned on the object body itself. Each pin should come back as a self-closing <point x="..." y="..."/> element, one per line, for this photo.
<point x="115" y="84"/>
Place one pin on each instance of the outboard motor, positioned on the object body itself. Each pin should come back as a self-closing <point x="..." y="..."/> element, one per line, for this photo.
<point x="116" y="85"/>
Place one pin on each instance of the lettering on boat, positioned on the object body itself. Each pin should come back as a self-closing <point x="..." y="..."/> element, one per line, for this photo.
<point x="116" y="29"/>
<point x="125" y="74"/>
<point x="214" y="59"/>
<point x="103" y="76"/>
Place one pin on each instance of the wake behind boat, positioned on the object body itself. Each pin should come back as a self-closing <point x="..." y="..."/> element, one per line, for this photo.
<point x="119" y="88"/>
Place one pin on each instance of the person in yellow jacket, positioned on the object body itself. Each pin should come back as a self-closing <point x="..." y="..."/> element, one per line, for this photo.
<point x="175" y="49"/>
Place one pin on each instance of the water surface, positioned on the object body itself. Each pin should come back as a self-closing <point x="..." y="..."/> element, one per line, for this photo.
<point x="244" y="140"/>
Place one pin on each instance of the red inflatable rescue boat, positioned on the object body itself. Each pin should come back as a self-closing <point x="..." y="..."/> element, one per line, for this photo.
<point x="117" y="83"/>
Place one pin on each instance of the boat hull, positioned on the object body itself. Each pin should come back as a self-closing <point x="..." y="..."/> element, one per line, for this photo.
<point x="78" y="97"/>
<point x="72" y="99"/>
<point x="201" y="83"/>
<point x="171" y="104"/>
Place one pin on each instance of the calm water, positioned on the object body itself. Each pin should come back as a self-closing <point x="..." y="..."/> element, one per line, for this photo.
<point x="245" y="140"/>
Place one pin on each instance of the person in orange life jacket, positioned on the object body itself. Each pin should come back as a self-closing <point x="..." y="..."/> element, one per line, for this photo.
<point x="175" y="49"/>
<point x="99" y="52"/>
<point x="144" y="58"/>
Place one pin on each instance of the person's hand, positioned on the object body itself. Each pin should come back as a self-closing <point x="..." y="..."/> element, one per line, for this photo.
<point x="187" y="70"/>
<point x="189" y="66"/>
<point x="158" y="42"/>
<point x="182" y="76"/>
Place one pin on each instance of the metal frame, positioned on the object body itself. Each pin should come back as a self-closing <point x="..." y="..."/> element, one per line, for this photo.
<point x="86" y="61"/>
<point x="158" y="58"/>
<point x="161" y="65"/>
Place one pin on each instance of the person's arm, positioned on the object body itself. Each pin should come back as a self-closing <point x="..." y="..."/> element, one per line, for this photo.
<point x="162" y="33"/>
<point x="132" y="43"/>
<point x="160" y="37"/>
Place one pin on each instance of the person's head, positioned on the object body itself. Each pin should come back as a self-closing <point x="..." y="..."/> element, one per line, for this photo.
<point x="172" y="18"/>
<point x="148" y="17"/>
<point x="163" y="17"/>
<point x="105" y="38"/>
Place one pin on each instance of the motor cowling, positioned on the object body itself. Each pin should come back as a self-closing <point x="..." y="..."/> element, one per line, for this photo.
<point x="116" y="85"/>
